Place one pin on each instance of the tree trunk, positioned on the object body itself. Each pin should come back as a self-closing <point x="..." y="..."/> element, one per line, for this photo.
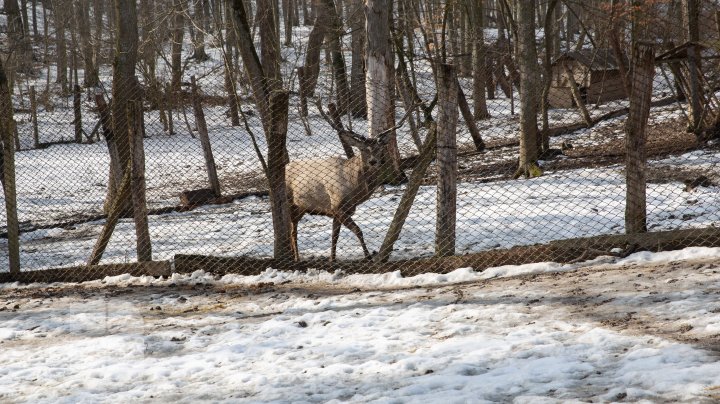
<point x="478" y="59"/>
<point x="125" y="88"/>
<point x="143" y="244"/>
<point x="205" y="140"/>
<point x="342" y="90"/>
<point x="408" y="197"/>
<point x="229" y="71"/>
<point x="529" y="89"/>
<point x="691" y="16"/>
<point x="277" y="160"/>
<point x="251" y="61"/>
<point x="7" y="172"/>
<point x="20" y="60"/>
<point x="642" y="82"/>
<point x="82" y="8"/>
<point x="273" y="106"/>
<point x="358" y="104"/>
<point x="314" y="46"/>
<point x="574" y="90"/>
<point x="379" y="80"/>
<point x="269" y="43"/>
<point x="549" y="40"/>
<point x="178" y="33"/>
<point x="61" y="46"/>
<point x="201" y="19"/>
<point x="446" y="161"/>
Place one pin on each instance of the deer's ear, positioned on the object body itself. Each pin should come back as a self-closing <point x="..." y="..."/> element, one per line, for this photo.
<point x="353" y="139"/>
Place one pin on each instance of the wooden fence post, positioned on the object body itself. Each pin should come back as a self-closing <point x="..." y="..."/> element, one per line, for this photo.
<point x="77" y="113"/>
<point x="205" y="140"/>
<point x="446" y="161"/>
<point x="7" y="172"/>
<point x="33" y="115"/>
<point x="640" y="97"/>
<point x="137" y="180"/>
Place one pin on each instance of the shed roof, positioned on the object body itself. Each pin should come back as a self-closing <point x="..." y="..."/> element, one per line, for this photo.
<point x="594" y="59"/>
<point x="707" y="51"/>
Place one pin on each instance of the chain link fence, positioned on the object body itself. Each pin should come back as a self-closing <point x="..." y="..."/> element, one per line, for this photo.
<point x="444" y="134"/>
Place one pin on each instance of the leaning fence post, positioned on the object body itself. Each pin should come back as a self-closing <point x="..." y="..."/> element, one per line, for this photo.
<point x="205" y="139"/>
<point x="640" y="97"/>
<point x="446" y="161"/>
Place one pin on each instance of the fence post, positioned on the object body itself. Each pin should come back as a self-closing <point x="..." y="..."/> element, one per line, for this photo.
<point x="137" y="180"/>
<point x="640" y="97"/>
<point x="33" y="115"/>
<point x="205" y="139"/>
<point x="77" y="112"/>
<point x="7" y="172"/>
<point x="446" y="161"/>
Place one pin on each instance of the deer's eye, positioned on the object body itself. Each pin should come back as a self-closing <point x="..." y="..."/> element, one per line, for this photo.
<point x="373" y="162"/>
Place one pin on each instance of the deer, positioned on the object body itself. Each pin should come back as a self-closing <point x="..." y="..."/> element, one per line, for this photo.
<point x="335" y="186"/>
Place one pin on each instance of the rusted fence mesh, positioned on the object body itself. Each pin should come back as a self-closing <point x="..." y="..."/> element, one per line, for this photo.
<point x="363" y="136"/>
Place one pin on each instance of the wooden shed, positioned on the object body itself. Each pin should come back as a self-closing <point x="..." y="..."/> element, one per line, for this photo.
<point x="596" y="74"/>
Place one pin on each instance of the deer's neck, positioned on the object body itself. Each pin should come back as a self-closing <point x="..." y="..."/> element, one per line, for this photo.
<point x="362" y="182"/>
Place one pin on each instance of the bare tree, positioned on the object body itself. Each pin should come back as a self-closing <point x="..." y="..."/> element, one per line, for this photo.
<point x="476" y="13"/>
<point x="529" y="89"/>
<point x="380" y="79"/>
<point x="272" y="103"/>
<point x="82" y="20"/>
<point x="125" y="88"/>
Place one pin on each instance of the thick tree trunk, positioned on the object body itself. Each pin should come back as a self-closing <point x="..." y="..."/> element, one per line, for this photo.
<point x="446" y="161"/>
<point x="358" y="104"/>
<point x="529" y="90"/>
<point x="408" y="197"/>
<point x="342" y="89"/>
<point x="61" y="72"/>
<point x="277" y="160"/>
<point x="314" y="46"/>
<point x="178" y="33"/>
<point x="691" y="16"/>
<point x="642" y="82"/>
<point x="20" y="60"/>
<point x="269" y="42"/>
<point x="549" y="40"/>
<point x="273" y="106"/>
<point x="125" y="89"/>
<point x="143" y="244"/>
<point x="201" y="19"/>
<point x="478" y="59"/>
<point x="379" y="79"/>
<point x="82" y="8"/>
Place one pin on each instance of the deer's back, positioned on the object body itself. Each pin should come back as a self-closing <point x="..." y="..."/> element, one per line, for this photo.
<point x="319" y="186"/>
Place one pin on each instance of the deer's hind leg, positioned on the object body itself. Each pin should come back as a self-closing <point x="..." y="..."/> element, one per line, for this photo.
<point x="295" y="216"/>
<point x="347" y="221"/>
<point x="335" y="236"/>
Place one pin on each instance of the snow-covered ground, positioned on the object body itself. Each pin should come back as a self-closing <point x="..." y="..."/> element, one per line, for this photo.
<point x="643" y="329"/>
